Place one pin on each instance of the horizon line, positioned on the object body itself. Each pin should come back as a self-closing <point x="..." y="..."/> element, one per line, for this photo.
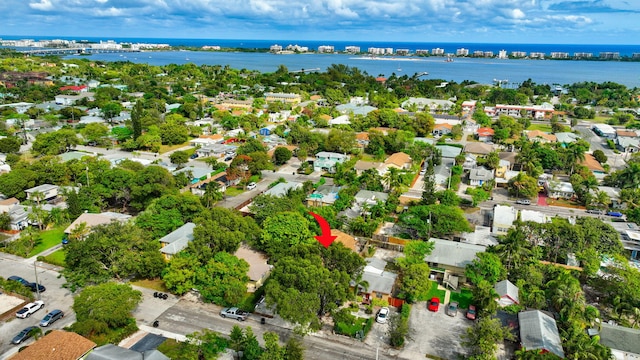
<point x="314" y="40"/>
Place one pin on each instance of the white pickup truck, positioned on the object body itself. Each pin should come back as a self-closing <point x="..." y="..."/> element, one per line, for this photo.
<point x="29" y="309"/>
<point x="234" y="313"/>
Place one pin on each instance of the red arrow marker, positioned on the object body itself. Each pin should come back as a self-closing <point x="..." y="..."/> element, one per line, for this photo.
<point x="325" y="238"/>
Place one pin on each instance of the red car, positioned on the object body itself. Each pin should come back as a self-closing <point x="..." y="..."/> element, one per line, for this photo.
<point x="471" y="312"/>
<point x="433" y="304"/>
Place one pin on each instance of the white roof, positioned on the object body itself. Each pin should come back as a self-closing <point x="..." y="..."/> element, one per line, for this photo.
<point x="504" y="214"/>
<point x="604" y="128"/>
<point x="532" y="215"/>
<point x="340" y="120"/>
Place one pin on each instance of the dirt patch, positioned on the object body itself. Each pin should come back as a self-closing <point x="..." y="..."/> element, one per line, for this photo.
<point x="9" y="304"/>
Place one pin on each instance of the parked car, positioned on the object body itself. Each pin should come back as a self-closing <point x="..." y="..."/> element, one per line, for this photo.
<point x="228" y="158"/>
<point x="452" y="309"/>
<point x="614" y="213"/>
<point x="433" y="304"/>
<point x="30" y="285"/>
<point x="29" y="309"/>
<point x="23" y="335"/>
<point x="51" y="317"/>
<point x="471" y="312"/>
<point x="234" y="313"/>
<point x="595" y="211"/>
<point x="523" y="201"/>
<point x="423" y="171"/>
<point x="251" y="186"/>
<point x="193" y="156"/>
<point x="383" y="315"/>
<point x="65" y="239"/>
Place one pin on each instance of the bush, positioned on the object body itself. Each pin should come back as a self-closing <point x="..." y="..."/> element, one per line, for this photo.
<point x="347" y="324"/>
<point x="399" y="326"/>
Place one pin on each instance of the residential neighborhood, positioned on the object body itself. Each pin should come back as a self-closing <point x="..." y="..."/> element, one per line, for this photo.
<point x="465" y="220"/>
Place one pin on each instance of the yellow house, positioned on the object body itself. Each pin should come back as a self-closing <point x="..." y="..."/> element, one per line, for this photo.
<point x="259" y="270"/>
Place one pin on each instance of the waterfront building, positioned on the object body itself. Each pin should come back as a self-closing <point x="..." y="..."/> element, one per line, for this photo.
<point x="582" y="55"/>
<point x="106" y="45"/>
<point x="462" y="52"/>
<point x="325" y="49"/>
<point x="437" y="51"/>
<point x="609" y="55"/>
<point x="352" y="49"/>
<point x="478" y="53"/>
<point x="422" y="52"/>
<point x="488" y="54"/>
<point x="297" y="48"/>
<point x="559" y="55"/>
<point x="635" y="56"/>
<point x="379" y="51"/>
<point x="543" y="111"/>
<point x="275" y="48"/>
<point x="402" y="52"/>
<point x="518" y="54"/>
<point x="537" y="55"/>
<point x="502" y="54"/>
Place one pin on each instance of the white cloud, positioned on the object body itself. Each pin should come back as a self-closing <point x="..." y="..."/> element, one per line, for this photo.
<point x="517" y="14"/>
<point x="43" y="5"/>
<point x="102" y="1"/>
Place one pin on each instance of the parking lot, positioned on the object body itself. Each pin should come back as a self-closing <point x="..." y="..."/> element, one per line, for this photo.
<point x="435" y="333"/>
<point x="55" y="297"/>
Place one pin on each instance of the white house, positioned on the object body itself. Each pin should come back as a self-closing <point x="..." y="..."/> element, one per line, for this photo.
<point x="503" y="218"/>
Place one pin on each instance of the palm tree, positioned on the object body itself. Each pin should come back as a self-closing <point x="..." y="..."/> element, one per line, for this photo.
<point x="392" y="178"/>
<point x="574" y="153"/>
<point x="212" y="194"/>
<point x="360" y="285"/>
<point x="513" y="248"/>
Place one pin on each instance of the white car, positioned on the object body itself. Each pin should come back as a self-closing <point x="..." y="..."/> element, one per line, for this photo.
<point x="383" y="315"/>
<point x="251" y="186"/>
<point x="29" y="309"/>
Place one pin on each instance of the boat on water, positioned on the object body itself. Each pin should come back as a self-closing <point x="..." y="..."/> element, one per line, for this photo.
<point x="448" y="59"/>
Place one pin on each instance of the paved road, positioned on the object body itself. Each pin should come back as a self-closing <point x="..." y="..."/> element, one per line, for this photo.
<point x="55" y="297"/>
<point x="188" y="317"/>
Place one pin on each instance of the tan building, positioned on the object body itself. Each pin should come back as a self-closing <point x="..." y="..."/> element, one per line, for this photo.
<point x="259" y="270"/>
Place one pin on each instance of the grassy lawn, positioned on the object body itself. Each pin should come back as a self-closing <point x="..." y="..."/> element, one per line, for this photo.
<point x="564" y="203"/>
<point x="56" y="258"/>
<point x="153" y="284"/>
<point x="49" y="239"/>
<point x="233" y="191"/>
<point x="541" y="127"/>
<point x="464" y="298"/>
<point x="3" y="237"/>
<point x="165" y="148"/>
<point x="434" y="292"/>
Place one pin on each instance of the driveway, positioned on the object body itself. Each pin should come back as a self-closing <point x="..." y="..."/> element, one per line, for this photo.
<point x="435" y="333"/>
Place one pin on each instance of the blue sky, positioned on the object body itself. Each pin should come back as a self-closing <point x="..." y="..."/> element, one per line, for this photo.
<point x="492" y="21"/>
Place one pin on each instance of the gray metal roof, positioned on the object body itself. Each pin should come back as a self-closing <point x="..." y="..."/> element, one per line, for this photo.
<point x="281" y="189"/>
<point x="449" y="151"/>
<point x="452" y="253"/>
<point x="113" y="352"/>
<point x="379" y="280"/>
<point x="539" y="331"/>
<point x="178" y="239"/>
<point x="620" y="338"/>
<point x="506" y="288"/>
<point x="480" y="174"/>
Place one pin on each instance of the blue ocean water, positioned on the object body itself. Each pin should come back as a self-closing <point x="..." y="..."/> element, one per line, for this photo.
<point x="475" y="69"/>
<point x="624" y="50"/>
<point x="481" y="70"/>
